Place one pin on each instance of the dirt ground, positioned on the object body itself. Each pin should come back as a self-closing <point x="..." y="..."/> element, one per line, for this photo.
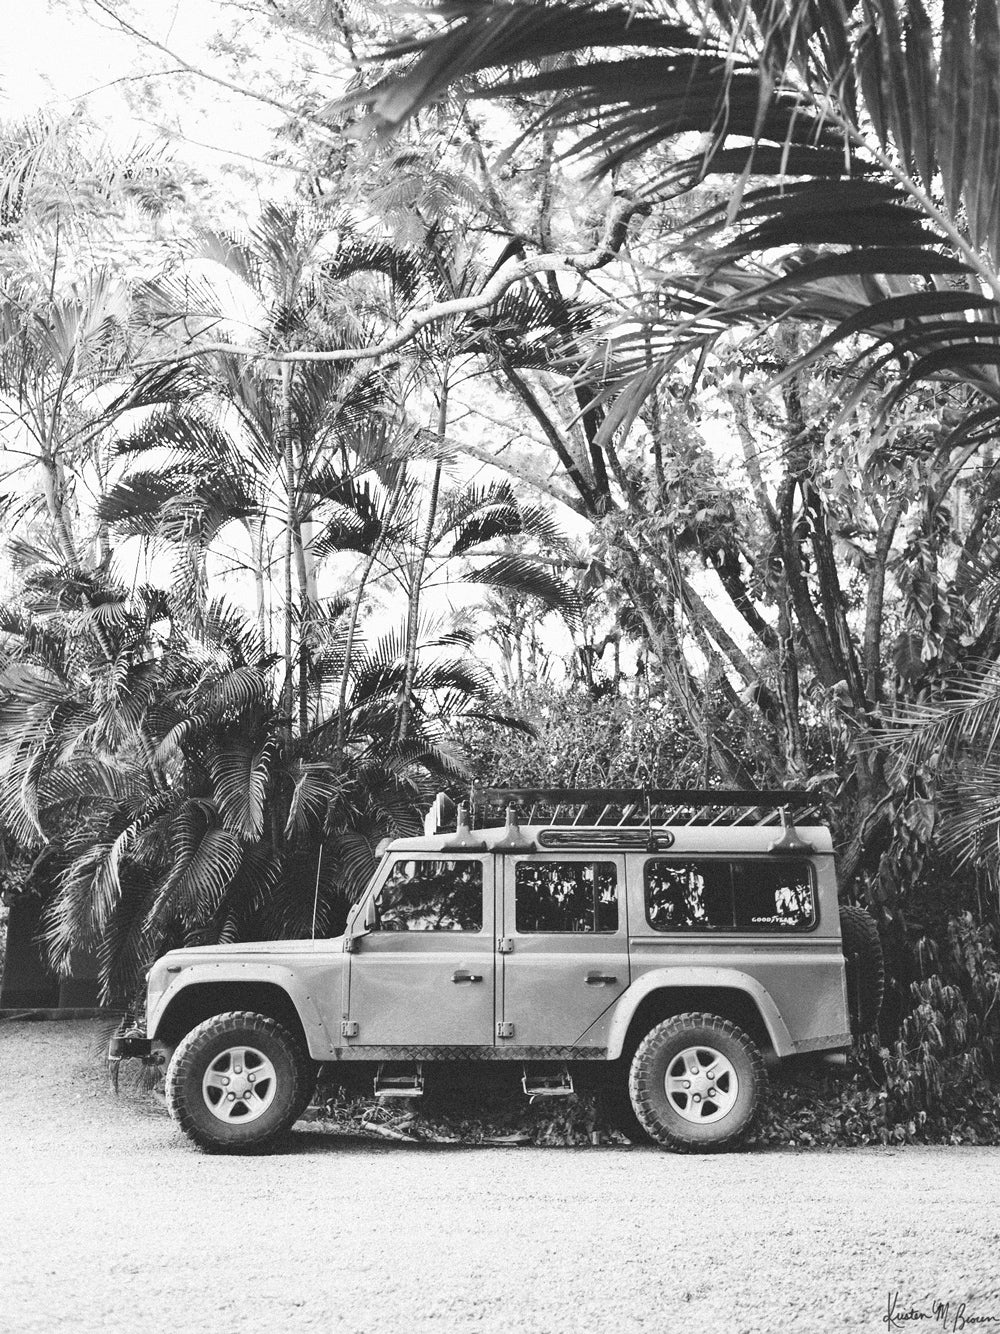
<point x="111" y="1221"/>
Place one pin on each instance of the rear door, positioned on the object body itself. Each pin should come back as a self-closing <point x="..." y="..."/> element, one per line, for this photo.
<point x="424" y="974"/>
<point x="563" y="947"/>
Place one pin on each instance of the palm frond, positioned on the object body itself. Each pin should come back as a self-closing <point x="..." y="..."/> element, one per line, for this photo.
<point x="206" y="866"/>
<point x="317" y="787"/>
<point x="940" y="732"/>
<point x="241" y="775"/>
<point x="228" y="629"/>
<point x="402" y="267"/>
<point x="525" y="578"/>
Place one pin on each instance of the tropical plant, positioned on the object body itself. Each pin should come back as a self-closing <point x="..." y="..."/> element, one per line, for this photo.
<point x="576" y="740"/>
<point x="219" y="458"/>
<point x="152" y="767"/>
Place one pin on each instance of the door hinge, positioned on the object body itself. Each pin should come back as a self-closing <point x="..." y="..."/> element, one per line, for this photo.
<point x="348" y="1029"/>
<point x="505" y="945"/>
<point x="505" y="1030"/>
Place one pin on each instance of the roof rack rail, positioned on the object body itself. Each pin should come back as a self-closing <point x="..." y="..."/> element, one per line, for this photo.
<point x="660" y="796"/>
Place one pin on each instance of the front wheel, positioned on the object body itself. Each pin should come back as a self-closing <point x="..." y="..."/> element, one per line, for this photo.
<point x="236" y="1082"/>
<point x="696" y="1082"/>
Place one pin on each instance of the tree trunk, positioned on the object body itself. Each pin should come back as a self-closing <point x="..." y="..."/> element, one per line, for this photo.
<point x="352" y="624"/>
<point x="256" y="531"/>
<point x="288" y="688"/>
<point x="417" y="578"/>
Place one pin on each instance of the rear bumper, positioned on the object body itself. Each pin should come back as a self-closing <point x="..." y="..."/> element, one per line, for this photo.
<point x="133" y="1043"/>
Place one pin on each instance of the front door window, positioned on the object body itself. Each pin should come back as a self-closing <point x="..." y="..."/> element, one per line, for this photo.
<point x="431" y="894"/>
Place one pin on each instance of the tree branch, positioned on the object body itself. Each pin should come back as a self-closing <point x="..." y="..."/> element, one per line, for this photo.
<point x="185" y="66"/>
<point x="622" y="212"/>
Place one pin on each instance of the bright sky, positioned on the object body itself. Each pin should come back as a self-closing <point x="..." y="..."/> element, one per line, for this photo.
<point x="69" y="56"/>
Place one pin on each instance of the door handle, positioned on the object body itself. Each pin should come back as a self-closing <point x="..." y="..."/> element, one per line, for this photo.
<point x="462" y="976"/>
<point x="600" y="979"/>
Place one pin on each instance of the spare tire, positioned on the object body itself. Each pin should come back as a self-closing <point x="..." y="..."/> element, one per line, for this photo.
<point x="865" y="968"/>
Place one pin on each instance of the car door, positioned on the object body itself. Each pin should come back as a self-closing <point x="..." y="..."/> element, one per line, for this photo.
<point x="423" y="975"/>
<point x="563" y="947"/>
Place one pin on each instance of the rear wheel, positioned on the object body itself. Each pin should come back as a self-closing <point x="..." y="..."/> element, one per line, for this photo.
<point x="697" y="1082"/>
<point x="236" y="1082"/>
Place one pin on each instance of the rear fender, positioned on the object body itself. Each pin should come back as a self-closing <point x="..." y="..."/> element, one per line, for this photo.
<point x="671" y="979"/>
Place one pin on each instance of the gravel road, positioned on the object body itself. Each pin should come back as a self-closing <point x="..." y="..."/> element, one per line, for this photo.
<point x="110" y="1221"/>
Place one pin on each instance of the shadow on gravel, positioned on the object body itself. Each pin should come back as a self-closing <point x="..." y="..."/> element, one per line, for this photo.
<point x="314" y="1138"/>
<point x="338" y="1141"/>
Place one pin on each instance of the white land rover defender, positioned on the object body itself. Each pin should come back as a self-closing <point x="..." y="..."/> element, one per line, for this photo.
<point x="683" y="941"/>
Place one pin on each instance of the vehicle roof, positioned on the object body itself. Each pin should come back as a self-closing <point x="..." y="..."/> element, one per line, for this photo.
<point x="675" y="839"/>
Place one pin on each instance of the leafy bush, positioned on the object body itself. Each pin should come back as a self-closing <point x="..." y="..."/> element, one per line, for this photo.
<point x="935" y="1082"/>
<point x="939" y="1075"/>
<point x="579" y="741"/>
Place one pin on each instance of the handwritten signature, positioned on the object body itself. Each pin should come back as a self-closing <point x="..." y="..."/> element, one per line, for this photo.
<point x="951" y="1316"/>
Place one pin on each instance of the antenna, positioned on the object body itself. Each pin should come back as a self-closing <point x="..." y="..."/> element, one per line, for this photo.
<point x="319" y="867"/>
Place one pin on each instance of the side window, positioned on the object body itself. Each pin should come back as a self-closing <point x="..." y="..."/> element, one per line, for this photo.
<point x="430" y="894"/>
<point x="688" y="895"/>
<point x="713" y="894"/>
<point x="565" y="896"/>
<point x="774" y="896"/>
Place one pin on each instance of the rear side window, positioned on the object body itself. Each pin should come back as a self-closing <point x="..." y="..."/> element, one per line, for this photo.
<point x="713" y="894"/>
<point x="430" y="894"/>
<point x="566" y="896"/>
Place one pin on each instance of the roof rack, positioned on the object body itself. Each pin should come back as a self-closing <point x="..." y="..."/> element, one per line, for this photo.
<point x="660" y="796"/>
<point x="648" y="805"/>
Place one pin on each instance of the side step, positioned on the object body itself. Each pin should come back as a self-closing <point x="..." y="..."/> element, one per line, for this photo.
<point x="397" y="1080"/>
<point x="547" y="1081"/>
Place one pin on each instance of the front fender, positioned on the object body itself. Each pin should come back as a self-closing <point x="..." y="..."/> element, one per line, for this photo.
<point x="318" y="1038"/>
<point x="667" y="979"/>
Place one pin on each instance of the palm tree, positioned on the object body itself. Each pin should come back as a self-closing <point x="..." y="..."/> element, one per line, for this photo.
<point x="160" y="790"/>
<point x="256" y="445"/>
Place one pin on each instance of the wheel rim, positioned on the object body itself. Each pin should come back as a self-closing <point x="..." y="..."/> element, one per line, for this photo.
<point x="239" y="1085"/>
<point x="701" y="1085"/>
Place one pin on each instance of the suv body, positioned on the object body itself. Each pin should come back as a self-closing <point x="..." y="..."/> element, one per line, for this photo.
<point x="552" y="942"/>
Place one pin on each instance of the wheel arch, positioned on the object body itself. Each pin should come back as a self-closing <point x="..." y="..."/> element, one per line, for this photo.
<point x="200" y="999"/>
<point x="734" y="996"/>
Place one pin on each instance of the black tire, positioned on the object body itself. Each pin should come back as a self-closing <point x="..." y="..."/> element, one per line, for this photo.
<point x="310" y="1076"/>
<point x="231" y="1062"/>
<point x="697" y="1118"/>
<point x="865" y="968"/>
